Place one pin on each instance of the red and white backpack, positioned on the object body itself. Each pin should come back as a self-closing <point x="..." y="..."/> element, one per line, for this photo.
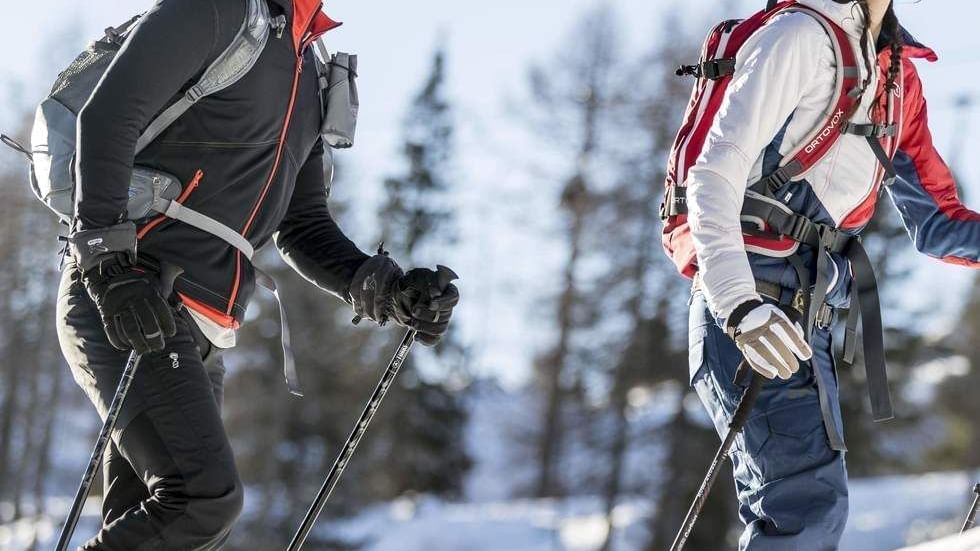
<point x="714" y="73"/>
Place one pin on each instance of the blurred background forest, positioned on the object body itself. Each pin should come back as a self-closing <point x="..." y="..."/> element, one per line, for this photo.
<point x="582" y="435"/>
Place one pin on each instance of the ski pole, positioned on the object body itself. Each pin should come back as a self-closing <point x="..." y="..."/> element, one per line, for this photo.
<point x="971" y="518"/>
<point x="736" y="425"/>
<point x="355" y="437"/>
<point x="446" y="276"/>
<point x="100" y="445"/>
<point x="168" y="275"/>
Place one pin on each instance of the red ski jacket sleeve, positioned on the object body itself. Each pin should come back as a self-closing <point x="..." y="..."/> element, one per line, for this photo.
<point x="925" y="190"/>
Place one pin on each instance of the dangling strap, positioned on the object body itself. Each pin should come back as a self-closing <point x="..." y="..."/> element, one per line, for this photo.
<point x="288" y="358"/>
<point x="809" y="305"/>
<point x="173" y="209"/>
<point x="864" y="289"/>
<point x="16" y="146"/>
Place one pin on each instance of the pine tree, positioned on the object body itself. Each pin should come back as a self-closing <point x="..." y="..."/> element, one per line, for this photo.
<point x="418" y="227"/>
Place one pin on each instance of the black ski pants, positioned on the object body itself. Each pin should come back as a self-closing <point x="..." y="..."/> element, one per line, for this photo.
<point x="170" y="476"/>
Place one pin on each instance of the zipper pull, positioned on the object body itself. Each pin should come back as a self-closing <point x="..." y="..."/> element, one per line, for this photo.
<point x="279" y="24"/>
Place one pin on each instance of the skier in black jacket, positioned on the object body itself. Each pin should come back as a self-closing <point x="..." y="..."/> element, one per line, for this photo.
<point x="251" y="157"/>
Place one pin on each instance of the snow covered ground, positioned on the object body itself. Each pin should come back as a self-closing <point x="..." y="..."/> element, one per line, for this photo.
<point x="886" y="514"/>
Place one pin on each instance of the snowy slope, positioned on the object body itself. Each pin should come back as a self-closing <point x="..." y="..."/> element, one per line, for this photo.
<point x="969" y="541"/>
<point x="886" y="513"/>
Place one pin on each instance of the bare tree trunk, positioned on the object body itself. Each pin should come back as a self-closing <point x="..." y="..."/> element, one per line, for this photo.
<point x="548" y="484"/>
<point x="617" y="456"/>
<point x="28" y="421"/>
<point x="57" y="381"/>
<point x="8" y="414"/>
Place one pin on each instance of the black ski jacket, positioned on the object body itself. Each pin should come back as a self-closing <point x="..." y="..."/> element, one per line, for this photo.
<point x="249" y="156"/>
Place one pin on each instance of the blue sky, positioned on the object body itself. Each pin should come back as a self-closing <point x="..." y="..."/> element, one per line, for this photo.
<point x="491" y="44"/>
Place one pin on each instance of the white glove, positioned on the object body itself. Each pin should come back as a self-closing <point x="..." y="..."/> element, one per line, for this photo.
<point x="771" y="343"/>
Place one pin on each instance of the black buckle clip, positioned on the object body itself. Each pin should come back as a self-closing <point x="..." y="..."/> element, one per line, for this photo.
<point x="870" y="130"/>
<point x="833" y="240"/>
<point x="675" y="202"/>
<point x="799" y="229"/>
<point x="825" y="317"/>
<point x="713" y="69"/>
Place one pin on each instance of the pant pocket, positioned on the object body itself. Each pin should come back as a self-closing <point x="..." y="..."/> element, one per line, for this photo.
<point x="788" y="441"/>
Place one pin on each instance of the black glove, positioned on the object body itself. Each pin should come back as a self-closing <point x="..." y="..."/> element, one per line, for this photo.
<point x="134" y="312"/>
<point x="422" y="300"/>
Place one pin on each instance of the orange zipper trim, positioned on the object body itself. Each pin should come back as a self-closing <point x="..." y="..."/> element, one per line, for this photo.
<point x="191" y="186"/>
<point x="211" y="313"/>
<point x="268" y="184"/>
<point x="303" y="44"/>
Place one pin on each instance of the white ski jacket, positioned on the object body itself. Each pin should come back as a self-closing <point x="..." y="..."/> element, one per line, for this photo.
<point x="784" y="72"/>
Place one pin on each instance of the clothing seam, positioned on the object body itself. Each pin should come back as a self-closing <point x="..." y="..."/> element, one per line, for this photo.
<point x="229" y="145"/>
<point x="203" y="288"/>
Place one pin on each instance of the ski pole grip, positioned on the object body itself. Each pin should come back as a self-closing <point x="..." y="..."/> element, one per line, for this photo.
<point x="742" y="374"/>
<point x="445" y="276"/>
<point x="747" y="403"/>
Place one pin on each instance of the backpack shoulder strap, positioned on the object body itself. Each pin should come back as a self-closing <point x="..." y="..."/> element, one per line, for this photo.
<point x="233" y="64"/>
<point x="845" y="102"/>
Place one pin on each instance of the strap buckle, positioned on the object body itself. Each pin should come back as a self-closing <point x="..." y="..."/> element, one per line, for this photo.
<point x="825" y="317"/>
<point x="800" y="229"/>
<point x="713" y="69"/>
<point x="870" y="130"/>
<point x="675" y="202"/>
<point x="832" y="239"/>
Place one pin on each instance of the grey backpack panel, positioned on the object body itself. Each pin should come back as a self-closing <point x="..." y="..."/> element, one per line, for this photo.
<point x="53" y="149"/>
<point x="148" y="186"/>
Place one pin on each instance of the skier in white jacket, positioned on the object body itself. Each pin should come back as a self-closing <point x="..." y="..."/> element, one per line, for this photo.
<point x="789" y="466"/>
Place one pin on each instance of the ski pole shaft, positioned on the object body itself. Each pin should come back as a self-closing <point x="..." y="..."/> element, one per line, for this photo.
<point x="352" y="441"/>
<point x="132" y="364"/>
<point x="736" y="425"/>
<point x="971" y="518"/>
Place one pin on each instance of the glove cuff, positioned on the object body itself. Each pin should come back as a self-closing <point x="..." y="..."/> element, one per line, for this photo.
<point x="90" y="248"/>
<point x="371" y="287"/>
<point x="738" y="314"/>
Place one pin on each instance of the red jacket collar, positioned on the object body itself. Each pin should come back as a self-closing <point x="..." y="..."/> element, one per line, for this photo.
<point x="308" y="21"/>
